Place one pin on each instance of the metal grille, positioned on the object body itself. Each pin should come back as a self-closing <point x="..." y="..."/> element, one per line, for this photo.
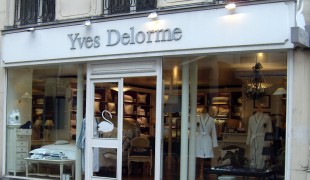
<point x="34" y="11"/>
<point x="143" y="5"/>
<point x="126" y="6"/>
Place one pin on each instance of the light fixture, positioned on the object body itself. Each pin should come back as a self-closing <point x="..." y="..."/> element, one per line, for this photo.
<point x="173" y="104"/>
<point x="152" y="16"/>
<point x="279" y="91"/>
<point x="256" y="86"/>
<point x="49" y="124"/>
<point x="25" y="96"/>
<point x="87" y="23"/>
<point x="230" y="6"/>
<point x="124" y="88"/>
<point x="31" y="29"/>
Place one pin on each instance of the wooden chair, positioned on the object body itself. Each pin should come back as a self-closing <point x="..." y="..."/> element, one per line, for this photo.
<point x="140" y="151"/>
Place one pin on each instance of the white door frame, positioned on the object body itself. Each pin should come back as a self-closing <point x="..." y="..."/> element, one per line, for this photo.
<point x="117" y="70"/>
<point x="92" y="141"/>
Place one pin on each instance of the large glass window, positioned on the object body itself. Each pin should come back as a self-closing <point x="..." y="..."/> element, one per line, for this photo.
<point x="235" y="123"/>
<point x="46" y="124"/>
<point x="42" y="119"/>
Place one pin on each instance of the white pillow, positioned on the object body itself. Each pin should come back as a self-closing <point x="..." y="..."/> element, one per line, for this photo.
<point x="40" y="151"/>
<point x="59" y="142"/>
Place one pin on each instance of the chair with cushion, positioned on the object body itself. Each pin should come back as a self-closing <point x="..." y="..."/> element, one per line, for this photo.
<point x="140" y="151"/>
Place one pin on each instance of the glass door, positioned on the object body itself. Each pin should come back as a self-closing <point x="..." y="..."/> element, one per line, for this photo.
<point x="104" y="125"/>
<point x="123" y="115"/>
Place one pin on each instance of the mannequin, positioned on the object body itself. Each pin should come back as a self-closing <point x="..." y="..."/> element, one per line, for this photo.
<point x="206" y="138"/>
<point x="259" y="124"/>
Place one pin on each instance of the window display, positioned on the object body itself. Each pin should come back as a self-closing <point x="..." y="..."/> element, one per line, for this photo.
<point x="231" y="131"/>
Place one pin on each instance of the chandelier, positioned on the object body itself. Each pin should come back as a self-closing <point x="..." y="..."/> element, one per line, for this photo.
<point x="256" y="86"/>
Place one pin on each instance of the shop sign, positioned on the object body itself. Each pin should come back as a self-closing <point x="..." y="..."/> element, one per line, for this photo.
<point x="115" y="37"/>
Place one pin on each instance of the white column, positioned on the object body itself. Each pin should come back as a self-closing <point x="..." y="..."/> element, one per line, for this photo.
<point x="184" y="122"/>
<point x="193" y="112"/>
<point x="79" y="119"/>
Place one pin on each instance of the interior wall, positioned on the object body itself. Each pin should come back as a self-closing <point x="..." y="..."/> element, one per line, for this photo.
<point x="20" y="83"/>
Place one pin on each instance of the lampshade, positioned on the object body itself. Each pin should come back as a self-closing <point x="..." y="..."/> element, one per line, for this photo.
<point x="49" y="123"/>
<point x="279" y="91"/>
<point x="124" y="88"/>
<point x="26" y="95"/>
<point x="38" y="123"/>
<point x="173" y="104"/>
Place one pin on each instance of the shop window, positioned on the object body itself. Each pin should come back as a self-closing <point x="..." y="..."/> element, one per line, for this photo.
<point x="41" y="121"/>
<point x="234" y="134"/>
<point x="34" y="11"/>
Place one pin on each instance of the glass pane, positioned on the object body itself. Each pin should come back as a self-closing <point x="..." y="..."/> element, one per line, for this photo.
<point x="237" y="124"/>
<point x="139" y="128"/>
<point x="105" y="110"/>
<point x="104" y="162"/>
<point x="42" y="120"/>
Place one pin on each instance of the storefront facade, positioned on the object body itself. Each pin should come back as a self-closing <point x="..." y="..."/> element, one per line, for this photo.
<point x="203" y="56"/>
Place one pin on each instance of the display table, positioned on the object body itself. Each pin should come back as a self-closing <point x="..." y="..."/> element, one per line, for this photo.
<point x="61" y="164"/>
<point x="244" y="172"/>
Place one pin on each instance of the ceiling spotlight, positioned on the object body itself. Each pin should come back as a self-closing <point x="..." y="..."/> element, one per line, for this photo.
<point x="86" y="23"/>
<point x="230" y="6"/>
<point x="152" y="16"/>
<point x="30" y="29"/>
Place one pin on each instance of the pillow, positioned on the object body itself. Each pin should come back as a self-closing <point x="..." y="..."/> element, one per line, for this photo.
<point x="128" y="98"/>
<point x="97" y="107"/>
<point x="59" y="142"/>
<point x="111" y="107"/>
<point x="128" y="109"/>
<point x="140" y="111"/>
<point x="98" y="96"/>
<point x="39" y="151"/>
<point x="213" y="110"/>
<point x="140" y="151"/>
<point x="73" y="122"/>
<point x="220" y="100"/>
<point x="141" y="98"/>
<point x="142" y="121"/>
<point x="109" y="153"/>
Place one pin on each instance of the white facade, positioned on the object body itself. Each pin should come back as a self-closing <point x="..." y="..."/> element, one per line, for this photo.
<point x="252" y="27"/>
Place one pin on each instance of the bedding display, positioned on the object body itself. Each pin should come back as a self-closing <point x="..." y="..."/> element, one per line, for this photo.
<point x="57" y="151"/>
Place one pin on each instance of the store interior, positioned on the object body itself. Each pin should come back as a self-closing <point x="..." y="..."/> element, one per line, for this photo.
<point x="223" y="91"/>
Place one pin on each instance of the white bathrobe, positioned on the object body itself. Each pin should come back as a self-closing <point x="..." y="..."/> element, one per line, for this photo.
<point x="206" y="137"/>
<point x="259" y="124"/>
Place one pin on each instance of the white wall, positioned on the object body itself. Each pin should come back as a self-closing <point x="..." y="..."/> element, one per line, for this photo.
<point x="2" y="82"/>
<point x="299" y="114"/>
<point x="70" y="9"/>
